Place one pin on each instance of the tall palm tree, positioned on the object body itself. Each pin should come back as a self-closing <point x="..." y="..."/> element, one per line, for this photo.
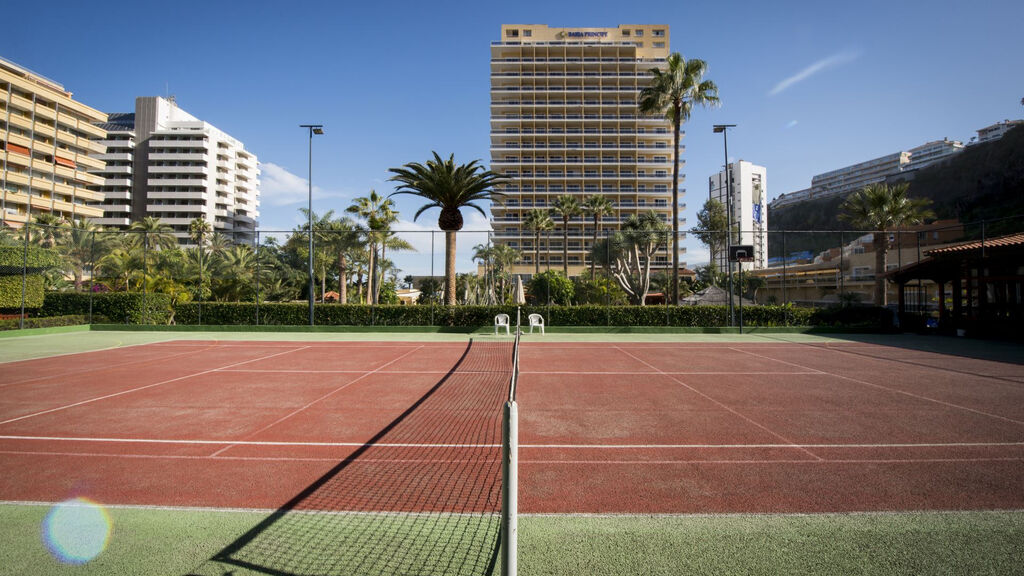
<point x="153" y="234"/>
<point x="597" y="206"/>
<point x="199" y="230"/>
<point x="379" y="213"/>
<point x="52" y="229"/>
<point x="539" y="221"/>
<point x="343" y="236"/>
<point x="880" y="208"/>
<point x="673" y="93"/>
<point x="449" y="187"/>
<point x="566" y="207"/>
<point x="321" y="248"/>
<point x="81" y="248"/>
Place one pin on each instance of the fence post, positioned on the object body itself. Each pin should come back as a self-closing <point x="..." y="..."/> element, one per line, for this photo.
<point x="258" y="271"/>
<point x="785" y="299"/>
<point x="92" y="271"/>
<point x="510" y="488"/>
<point x="842" y="261"/>
<point x="202" y="264"/>
<point x="24" y="276"/>
<point x="431" y="284"/>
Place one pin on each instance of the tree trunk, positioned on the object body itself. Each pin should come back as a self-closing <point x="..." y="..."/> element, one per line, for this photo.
<point x="675" y="203"/>
<point x="597" y="223"/>
<point x="449" y="267"/>
<point x="536" y="253"/>
<point x="342" y="279"/>
<point x="359" y="287"/>
<point x="565" y="246"/>
<point x="380" y="280"/>
<point x="880" y="249"/>
<point x="371" y="272"/>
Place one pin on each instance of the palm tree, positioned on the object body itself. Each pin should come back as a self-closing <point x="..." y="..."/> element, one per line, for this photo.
<point x="198" y="229"/>
<point x="673" y="92"/>
<point x="880" y="208"/>
<point x="566" y="207"/>
<point x="597" y="206"/>
<point x="449" y="187"/>
<point x="81" y="247"/>
<point x="343" y="238"/>
<point x="321" y="248"/>
<point x="52" y="229"/>
<point x="538" y="220"/>
<point x="153" y="234"/>
<point x="379" y="213"/>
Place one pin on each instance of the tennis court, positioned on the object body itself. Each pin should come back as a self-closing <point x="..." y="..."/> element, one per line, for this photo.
<point x="403" y="438"/>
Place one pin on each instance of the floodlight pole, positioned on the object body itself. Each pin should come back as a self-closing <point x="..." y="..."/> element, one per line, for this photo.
<point x="313" y="129"/>
<point x="724" y="129"/>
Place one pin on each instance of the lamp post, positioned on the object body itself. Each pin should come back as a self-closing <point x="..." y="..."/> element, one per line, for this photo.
<point x="723" y="129"/>
<point x="313" y="129"/>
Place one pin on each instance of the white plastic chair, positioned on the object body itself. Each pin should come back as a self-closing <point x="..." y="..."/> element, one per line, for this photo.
<point x="501" y="320"/>
<point x="536" y="320"/>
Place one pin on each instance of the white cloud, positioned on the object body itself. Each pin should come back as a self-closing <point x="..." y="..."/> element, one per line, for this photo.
<point x="819" y="66"/>
<point x="279" y="187"/>
<point x="791" y="124"/>
<point x="697" y="256"/>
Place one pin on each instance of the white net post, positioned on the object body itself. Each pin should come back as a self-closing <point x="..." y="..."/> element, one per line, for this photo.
<point x="509" y="488"/>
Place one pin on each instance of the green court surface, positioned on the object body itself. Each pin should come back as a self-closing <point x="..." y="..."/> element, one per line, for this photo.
<point x="183" y="541"/>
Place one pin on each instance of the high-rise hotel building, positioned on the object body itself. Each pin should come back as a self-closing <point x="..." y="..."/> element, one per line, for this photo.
<point x="564" y="120"/>
<point x="48" y="149"/>
<point x="164" y="162"/>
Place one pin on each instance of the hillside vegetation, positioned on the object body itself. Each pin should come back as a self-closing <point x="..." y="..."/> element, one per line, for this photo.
<point x="984" y="182"/>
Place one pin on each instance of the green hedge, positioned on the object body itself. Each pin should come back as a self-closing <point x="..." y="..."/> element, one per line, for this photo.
<point x="10" y="291"/>
<point x="13" y="265"/>
<point x="867" y="317"/>
<point x="297" y="314"/>
<point x="118" y="307"/>
<point x="49" y="322"/>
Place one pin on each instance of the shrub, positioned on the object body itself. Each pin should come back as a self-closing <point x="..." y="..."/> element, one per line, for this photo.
<point x="117" y="307"/>
<point x="49" y="321"/>
<point x="13" y="265"/>
<point x="550" y="287"/>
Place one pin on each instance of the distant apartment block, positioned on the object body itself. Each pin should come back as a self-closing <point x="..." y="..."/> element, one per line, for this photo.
<point x="997" y="130"/>
<point x="564" y="120"/>
<point x="932" y="152"/>
<point x="164" y="162"/>
<point x="843" y="181"/>
<point x="49" y="144"/>
<point x="748" y="195"/>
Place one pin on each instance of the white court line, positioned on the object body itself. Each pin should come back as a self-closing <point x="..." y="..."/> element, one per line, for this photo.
<point x="144" y="387"/>
<point x="498" y="445"/>
<point x="911" y="394"/>
<point x="694" y="390"/>
<point x="557" y="372"/>
<point x="263" y="510"/>
<point x="325" y="396"/>
<point x="105" y="367"/>
<point x="633" y="462"/>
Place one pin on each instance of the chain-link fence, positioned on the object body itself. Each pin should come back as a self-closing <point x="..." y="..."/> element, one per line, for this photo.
<point x="66" y="269"/>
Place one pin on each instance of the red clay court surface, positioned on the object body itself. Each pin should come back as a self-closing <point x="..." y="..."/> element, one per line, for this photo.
<point x="605" y="428"/>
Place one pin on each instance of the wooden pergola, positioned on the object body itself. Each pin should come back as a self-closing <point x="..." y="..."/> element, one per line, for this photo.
<point x="986" y="281"/>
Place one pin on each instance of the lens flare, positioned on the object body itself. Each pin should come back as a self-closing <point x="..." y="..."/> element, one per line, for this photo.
<point x="76" y="531"/>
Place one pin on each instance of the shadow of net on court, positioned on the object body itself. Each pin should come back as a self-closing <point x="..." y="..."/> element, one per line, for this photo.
<point x="422" y="497"/>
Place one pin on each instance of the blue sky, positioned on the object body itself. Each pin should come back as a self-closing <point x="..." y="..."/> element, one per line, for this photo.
<point x="811" y="86"/>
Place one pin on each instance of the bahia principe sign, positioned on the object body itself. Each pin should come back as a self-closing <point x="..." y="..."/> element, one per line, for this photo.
<point x="584" y="34"/>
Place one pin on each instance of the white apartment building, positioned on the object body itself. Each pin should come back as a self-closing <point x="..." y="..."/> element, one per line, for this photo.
<point x="182" y="168"/>
<point x="748" y="197"/>
<point x="932" y="152"/>
<point x="997" y="130"/>
<point x="564" y="120"/>
<point x="117" y="175"/>
<point x="851" y="178"/>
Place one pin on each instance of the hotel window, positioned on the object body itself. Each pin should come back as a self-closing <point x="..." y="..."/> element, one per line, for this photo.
<point x="639" y="33"/>
<point x="512" y="33"/>
<point x="625" y="32"/>
<point x="527" y="33"/>
<point x="658" y="33"/>
<point x="658" y="44"/>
